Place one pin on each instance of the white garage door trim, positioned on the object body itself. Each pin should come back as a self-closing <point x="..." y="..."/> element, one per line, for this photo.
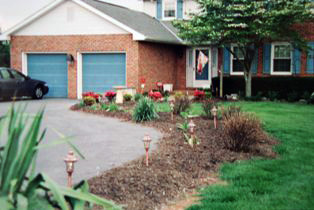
<point x="80" y="68"/>
<point x="24" y="59"/>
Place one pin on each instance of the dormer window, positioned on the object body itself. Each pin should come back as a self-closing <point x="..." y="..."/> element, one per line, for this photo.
<point x="169" y="9"/>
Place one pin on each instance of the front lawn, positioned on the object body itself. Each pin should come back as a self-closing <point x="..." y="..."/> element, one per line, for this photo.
<point x="283" y="183"/>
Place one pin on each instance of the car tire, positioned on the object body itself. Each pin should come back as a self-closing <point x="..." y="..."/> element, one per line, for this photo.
<point x="38" y="92"/>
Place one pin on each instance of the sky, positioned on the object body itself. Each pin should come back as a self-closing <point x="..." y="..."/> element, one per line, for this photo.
<point x="14" y="11"/>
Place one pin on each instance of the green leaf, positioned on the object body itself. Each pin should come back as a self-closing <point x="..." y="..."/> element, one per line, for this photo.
<point x="57" y="193"/>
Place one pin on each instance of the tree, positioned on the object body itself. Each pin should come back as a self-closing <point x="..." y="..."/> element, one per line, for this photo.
<point x="4" y="54"/>
<point x="247" y="24"/>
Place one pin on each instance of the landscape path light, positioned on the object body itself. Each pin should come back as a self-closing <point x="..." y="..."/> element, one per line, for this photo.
<point x="172" y="108"/>
<point x="69" y="162"/>
<point x="192" y="128"/>
<point x="147" y="140"/>
<point x="214" y="113"/>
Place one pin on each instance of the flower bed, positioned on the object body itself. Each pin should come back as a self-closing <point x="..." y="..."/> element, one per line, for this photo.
<point x="175" y="167"/>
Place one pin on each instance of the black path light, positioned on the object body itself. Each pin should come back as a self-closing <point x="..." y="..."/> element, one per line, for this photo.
<point x="69" y="162"/>
<point x="147" y="140"/>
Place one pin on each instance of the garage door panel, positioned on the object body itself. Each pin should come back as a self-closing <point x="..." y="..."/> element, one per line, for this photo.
<point x="51" y="68"/>
<point x="101" y="72"/>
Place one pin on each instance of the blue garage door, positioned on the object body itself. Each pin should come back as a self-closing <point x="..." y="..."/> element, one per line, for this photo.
<point x="101" y="72"/>
<point x="51" y="68"/>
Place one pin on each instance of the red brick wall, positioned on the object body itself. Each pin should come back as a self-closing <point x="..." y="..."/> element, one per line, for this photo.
<point x="160" y="62"/>
<point x="75" y="44"/>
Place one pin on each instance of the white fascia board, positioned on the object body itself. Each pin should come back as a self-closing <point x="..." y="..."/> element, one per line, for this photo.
<point x="136" y="35"/>
<point x="31" y="18"/>
<point x="4" y="37"/>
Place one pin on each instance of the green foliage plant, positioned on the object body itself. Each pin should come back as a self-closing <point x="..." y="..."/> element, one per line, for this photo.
<point x="113" y="107"/>
<point x="20" y="187"/>
<point x="145" y="110"/>
<point x="127" y="97"/>
<point x="89" y="101"/>
<point x="137" y="97"/>
<point x="208" y="105"/>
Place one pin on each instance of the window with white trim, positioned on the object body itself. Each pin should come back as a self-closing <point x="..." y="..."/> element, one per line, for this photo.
<point x="281" y="58"/>
<point x="169" y="9"/>
<point x="236" y="65"/>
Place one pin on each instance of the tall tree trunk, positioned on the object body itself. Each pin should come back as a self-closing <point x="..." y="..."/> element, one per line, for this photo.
<point x="248" y="83"/>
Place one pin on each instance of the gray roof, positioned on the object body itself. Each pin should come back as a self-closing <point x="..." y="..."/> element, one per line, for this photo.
<point x="153" y="29"/>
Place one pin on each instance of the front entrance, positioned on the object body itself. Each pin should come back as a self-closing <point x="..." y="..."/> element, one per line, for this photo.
<point x="200" y="67"/>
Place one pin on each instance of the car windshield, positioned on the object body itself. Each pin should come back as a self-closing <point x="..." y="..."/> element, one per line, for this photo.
<point x="16" y="75"/>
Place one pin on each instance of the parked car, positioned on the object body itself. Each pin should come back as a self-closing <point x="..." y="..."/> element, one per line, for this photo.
<point x="15" y="84"/>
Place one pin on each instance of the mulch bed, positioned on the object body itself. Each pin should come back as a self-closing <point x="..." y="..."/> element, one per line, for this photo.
<point x="174" y="168"/>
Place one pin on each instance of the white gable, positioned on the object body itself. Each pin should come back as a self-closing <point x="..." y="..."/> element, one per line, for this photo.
<point x="70" y="18"/>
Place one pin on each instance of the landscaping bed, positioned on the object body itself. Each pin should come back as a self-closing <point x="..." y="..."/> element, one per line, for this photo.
<point x="175" y="167"/>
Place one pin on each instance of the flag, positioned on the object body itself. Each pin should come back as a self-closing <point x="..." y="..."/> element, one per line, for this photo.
<point x="201" y="62"/>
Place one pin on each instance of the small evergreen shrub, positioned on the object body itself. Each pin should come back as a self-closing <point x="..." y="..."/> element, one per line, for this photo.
<point x="242" y="131"/>
<point x="137" y="97"/>
<point x="273" y="95"/>
<point x="292" y="96"/>
<point x="145" y="110"/>
<point x="127" y="97"/>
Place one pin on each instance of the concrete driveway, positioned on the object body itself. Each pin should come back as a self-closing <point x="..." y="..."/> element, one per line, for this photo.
<point x="105" y="142"/>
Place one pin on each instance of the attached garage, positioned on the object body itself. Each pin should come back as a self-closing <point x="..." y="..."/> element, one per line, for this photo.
<point x="102" y="71"/>
<point x="51" y="68"/>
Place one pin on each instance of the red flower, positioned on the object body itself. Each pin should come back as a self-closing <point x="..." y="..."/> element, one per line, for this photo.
<point x="142" y="80"/>
<point x="199" y="94"/>
<point x="110" y="95"/>
<point x="91" y="94"/>
<point x="155" y="95"/>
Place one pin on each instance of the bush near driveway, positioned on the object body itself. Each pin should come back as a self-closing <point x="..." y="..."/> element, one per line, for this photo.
<point x="283" y="183"/>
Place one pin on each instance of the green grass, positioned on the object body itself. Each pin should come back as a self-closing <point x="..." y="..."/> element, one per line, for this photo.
<point x="283" y="183"/>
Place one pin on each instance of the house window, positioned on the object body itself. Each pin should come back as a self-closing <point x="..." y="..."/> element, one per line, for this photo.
<point x="281" y="58"/>
<point x="169" y="9"/>
<point x="236" y="65"/>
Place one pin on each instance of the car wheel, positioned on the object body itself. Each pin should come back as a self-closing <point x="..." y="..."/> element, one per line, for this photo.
<point x="38" y="93"/>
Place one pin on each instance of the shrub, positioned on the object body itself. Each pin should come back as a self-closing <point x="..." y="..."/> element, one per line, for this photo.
<point x="241" y="132"/>
<point x="292" y="96"/>
<point x="181" y="104"/>
<point x="207" y="107"/>
<point x="89" y="101"/>
<point x="208" y="95"/>
<point x="113" y="107"/>
<point x="145" y="110"/>
<point x="110" y="95"/>
<point x="103" y="106"/>
<point x="127" y="97"/>
<point x="257" y="97"/>
<point x="137" y="97"/>
<point x="155" y="95"/>
<point x="311" y="100"/>
<point x="273" y="95"/>
<point x="199" y="94"/>
<point x="306" y="96"/>
<point x="231" y="110"/>
<point x="95" y="107"/>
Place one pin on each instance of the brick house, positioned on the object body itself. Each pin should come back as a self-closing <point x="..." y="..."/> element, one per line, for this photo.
<point x="88" y="45"/>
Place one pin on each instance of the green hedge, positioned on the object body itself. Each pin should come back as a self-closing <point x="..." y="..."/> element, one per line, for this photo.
<point x="263" y="85"/>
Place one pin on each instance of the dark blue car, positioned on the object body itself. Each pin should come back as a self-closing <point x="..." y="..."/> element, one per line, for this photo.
<point x="15" y="84"/>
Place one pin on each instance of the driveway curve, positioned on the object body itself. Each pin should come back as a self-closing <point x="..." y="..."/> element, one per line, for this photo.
<point x="105" y="142"/>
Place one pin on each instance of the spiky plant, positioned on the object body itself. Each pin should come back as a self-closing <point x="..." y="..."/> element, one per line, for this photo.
<point x="20" y="187"/>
